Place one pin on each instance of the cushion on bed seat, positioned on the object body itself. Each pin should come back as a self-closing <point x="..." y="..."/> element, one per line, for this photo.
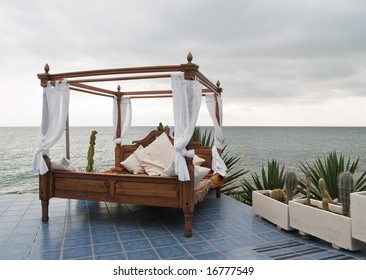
<point x="157" y="156"/>
<point x="132" y="163"/>
<point x="197" y="160"/>
<point x="200" y="172"/>
<point x="63" y="164"/>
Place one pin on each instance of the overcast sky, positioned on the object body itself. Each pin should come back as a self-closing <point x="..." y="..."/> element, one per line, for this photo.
<point x="279" y="62"/>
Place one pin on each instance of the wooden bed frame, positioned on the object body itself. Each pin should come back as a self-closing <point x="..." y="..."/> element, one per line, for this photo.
<point x="126" y="188"/>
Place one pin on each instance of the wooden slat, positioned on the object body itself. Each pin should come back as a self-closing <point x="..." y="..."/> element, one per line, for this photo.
<point x="121" y="78"/>
<point x="206" y="82"/>
<point x="115" y="71"/>
<point x="93" y="88"/>
<point x="90" y="92"/>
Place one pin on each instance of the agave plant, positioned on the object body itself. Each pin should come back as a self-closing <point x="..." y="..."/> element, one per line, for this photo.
<point x="271" y="178"/>
<point x="232" y="162"/>
<point x="329" y="169"/>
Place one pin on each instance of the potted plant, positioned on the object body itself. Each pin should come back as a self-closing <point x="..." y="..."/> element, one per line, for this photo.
<point x="269" y="200"/>
<point x="328" y="219"/>
<point x="358" y="210"/>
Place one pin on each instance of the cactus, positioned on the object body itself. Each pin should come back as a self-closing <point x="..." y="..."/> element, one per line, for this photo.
<point x="90" y="157"/>
<point x="325" y="204"/>
<point x="345" y="187"/>
<point x="290" y="184"/>
<point x="278" y="194"/>
<point x="160" y="128"/>
<point x="323" y="190"/>
<point x="308" y="177"/>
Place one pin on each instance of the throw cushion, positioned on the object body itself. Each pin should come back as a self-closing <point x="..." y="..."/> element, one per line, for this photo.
<point x="157" y="156"/>
<point x="132" y="163"/>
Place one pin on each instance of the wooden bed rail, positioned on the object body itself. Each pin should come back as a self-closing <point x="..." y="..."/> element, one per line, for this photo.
<point x="190" y="70"/>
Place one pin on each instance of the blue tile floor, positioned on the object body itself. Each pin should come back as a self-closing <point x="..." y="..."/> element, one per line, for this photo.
<point x="78" y="229"/>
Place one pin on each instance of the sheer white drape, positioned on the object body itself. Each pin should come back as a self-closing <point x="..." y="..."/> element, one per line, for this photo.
<point x="187" y="96"/>
<point x="54" y="115"/>
<point x="218" y="165"/>
<point x="126" y="117"/>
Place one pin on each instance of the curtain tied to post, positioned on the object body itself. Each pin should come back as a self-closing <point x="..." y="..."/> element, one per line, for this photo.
<point x="126" y="117"/>
<point x="187" y="96"/>
<point x="54" y="114"/>
<point x="218" y="165"/>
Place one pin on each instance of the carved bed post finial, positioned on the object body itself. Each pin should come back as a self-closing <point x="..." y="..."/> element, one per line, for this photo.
<point x="189" y="57"/>
<point x="218" y="86"/>
<point x="45" y="76"/>
<point x="46" y="68"/>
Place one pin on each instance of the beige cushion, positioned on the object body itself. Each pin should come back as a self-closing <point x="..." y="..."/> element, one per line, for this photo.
<point x="132" y="163"/>
<point x="200" y="172"/>
<point x="197" y="160"/>
<point x="63" y="164"/>
<point x="157" y="156"/>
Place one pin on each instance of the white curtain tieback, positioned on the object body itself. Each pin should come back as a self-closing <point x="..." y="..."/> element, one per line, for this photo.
<point x="185" y="153"/>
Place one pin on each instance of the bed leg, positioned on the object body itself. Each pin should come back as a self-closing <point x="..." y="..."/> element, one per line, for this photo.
<point x="218" y="192"/>
<point x="45" y="204"/>
<point x="188" y="224"/>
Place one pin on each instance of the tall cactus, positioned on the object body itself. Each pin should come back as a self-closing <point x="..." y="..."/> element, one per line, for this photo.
<point x="89" y="167"/>
<point x="325" y="204"/>
<point x="323" y="190"/>
<point x="290" y="184"/>
<point x="160" y="128"/>
<point x="345" y="187"/>
<point x="308" y="178"/>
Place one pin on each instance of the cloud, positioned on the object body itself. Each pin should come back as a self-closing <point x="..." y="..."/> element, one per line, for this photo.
<point x="267" y="54"/>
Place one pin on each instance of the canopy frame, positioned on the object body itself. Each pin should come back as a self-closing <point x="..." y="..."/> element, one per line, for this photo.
<point x="78" y="82"/>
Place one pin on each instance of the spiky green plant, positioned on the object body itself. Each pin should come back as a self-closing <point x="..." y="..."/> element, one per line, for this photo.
<point x="270" y="178"/>
<point x="329" y="169"/>
<point x="232" y="162"/>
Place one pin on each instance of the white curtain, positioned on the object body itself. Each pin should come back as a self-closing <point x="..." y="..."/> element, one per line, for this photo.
<point x="54" y="115"/>
<point x="218" y="165"/>
<point x="126" y="116"/>
<point x="187" y="96"/>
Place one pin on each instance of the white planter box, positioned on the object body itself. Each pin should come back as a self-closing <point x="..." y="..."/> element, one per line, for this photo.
<point x="333" y="228"/>
<point x="358" y="213"/>
<point x="270" y="209"/>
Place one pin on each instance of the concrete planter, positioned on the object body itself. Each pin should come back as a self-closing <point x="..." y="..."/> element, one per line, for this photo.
<point x="326" y="225"/>
<point x="358" y="212"/>
<point x="270" y="209"/>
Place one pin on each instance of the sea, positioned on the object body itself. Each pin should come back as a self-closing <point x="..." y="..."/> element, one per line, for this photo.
<point x="254" y="145"/>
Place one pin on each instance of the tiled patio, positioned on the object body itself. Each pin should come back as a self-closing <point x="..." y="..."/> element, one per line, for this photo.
<point x="223" y="229"/>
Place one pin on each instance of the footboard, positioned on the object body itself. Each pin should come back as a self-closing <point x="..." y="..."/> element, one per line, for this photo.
<point x="120" y="188"/>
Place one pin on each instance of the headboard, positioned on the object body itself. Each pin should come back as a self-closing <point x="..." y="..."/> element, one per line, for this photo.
<point x="201" y="151"/>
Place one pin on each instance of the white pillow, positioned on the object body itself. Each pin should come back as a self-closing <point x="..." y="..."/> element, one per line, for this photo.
<point x="200" y="172"/>
<point x="169" y="171"/>
<point x="132" y="163"/>
<point x="197" y="160"/>
<point x="63" y="164"/>
<point x="157" y="156"/>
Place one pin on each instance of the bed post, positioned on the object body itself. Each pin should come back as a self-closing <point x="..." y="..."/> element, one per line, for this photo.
<point x="218" y="117"/>
<point x="117" y="151"/>
<point x="188" y="199"/>
<point x="67" y="138"/>
<point x="44" y="195"/>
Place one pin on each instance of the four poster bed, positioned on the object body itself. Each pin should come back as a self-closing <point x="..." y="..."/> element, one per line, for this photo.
<point x="169" y="171"/>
